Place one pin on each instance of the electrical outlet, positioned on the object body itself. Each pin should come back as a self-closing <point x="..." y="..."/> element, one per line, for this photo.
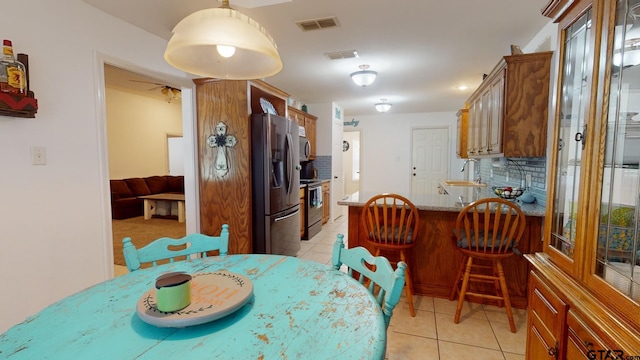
<point x="38" y="155"/>
<point x="507" y="176"/>
<point x="491" y="172"/>
<point x="528" y="176"/>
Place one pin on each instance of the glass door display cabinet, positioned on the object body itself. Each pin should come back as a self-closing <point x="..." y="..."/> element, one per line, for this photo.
<point x="584" y="294"/>
<point x="614" y="241"/>
<point x="575" y="75"/>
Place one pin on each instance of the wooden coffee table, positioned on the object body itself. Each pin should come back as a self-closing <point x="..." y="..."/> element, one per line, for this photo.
<point x="150" y="206"/>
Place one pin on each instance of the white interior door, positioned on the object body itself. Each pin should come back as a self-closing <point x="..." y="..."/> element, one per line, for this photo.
<point x="430" y="159"/>
<point x="337" y="171"/>
<point x="175" y="150"/>
<point x="351" y="161"/>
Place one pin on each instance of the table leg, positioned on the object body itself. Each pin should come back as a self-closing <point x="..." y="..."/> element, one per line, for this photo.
<point x="180" y="211"/>
<point x="149" y="208"/>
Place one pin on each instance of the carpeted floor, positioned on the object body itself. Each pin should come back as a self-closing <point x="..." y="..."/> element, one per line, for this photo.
<point x="142" y="232"/>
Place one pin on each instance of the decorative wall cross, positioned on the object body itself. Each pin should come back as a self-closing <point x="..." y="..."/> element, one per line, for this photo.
<point x="222" y="141"/>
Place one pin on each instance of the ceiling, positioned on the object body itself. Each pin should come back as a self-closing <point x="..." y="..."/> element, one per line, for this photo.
<point x="421" y="49"/>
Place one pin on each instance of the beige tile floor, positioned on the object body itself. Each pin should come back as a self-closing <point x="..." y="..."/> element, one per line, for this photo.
<point x="482" y="334"/>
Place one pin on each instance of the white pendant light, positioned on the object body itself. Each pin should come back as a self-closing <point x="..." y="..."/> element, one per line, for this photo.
<point x="383" y="106"/>
<point x="364" y="77"/>
<point x="223" y="43"/>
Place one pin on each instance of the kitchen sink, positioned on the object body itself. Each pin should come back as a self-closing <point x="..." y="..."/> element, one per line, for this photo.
<point x="463" y="183"/>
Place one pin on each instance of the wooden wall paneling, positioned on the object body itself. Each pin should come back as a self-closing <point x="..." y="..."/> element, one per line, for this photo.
<point x="227" y="198"/>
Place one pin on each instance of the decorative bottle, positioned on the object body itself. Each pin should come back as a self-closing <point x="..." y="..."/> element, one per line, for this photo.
<point x="12" y="72"/>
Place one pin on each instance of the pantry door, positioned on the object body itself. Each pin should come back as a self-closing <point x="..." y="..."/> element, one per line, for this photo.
<point x="430" y="159"/>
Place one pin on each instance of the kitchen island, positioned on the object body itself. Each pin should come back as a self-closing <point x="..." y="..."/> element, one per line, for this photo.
<point x="435" y="260"/>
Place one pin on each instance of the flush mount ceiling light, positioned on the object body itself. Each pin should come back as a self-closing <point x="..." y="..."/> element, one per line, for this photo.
<point x="383" y="106"/>
<point x="223" y="43"/>
<point x="364" y="77"/>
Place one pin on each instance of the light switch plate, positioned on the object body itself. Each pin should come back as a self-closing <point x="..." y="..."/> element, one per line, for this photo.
<point x="38" y="155"/>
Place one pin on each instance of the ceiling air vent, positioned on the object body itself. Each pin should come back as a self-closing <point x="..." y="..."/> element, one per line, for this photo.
<point x="318" y="24"/>
<point x="346" y="54"/>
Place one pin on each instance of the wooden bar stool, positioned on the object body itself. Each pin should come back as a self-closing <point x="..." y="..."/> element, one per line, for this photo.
<point x="390" y="223"/>
<point x="489" y="230"/>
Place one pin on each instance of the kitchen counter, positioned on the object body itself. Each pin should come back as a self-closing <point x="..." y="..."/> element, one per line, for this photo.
<point x="434" y="260"/>
<point x="446" y="202"/>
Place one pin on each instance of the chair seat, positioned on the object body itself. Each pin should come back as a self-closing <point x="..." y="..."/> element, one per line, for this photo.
<point x="392" y="234"/>
<point x="480" y="241"/>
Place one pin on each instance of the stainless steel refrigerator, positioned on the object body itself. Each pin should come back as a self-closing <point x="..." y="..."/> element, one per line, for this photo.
<point x="276" y="184"/>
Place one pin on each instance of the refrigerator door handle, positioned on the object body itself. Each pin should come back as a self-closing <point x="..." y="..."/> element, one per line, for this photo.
<point x="287" y="216"/>
<point x="289" y="163"/>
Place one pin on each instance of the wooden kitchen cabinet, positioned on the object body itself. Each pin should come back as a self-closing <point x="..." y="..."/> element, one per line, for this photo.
<point x="463" y="131"/>
<point x="307" y="121"/>
<point x="508" y="112"/>
<point x="591" y="258"/>
<point x="434" y="262"/>
<point x="326" y="201"/>
<point x="582" y="342"/>
<point x="474" y="121"/>
<point x="565" y="321"/>
<point x="545" y="321"/>
<point x="303" y="212"/>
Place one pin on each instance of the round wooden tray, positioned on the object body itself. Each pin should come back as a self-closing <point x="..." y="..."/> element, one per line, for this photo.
<point x="213" y="295"/>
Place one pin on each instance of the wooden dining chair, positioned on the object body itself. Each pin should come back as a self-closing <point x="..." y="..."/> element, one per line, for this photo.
<point x="168" y="249"/>
<point x="486" y="230"/>
<point x="374" y="272"/>
<point x="390" y="223"/>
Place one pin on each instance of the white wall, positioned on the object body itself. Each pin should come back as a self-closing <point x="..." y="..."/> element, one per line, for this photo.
<point x="324" y="112"/>
<point x="386" y="148"/>
<point x="55" y="227"/>
<point x="137" y="129"/>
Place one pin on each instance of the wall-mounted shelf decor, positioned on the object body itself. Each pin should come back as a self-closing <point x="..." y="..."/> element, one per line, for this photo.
<point x="19" y="105"/>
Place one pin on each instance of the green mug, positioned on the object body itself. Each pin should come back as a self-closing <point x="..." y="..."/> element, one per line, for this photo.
<point x="173" y="291"/>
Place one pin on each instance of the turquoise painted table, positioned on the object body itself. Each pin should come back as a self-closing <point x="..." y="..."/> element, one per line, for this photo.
<point x="300" y="309"/>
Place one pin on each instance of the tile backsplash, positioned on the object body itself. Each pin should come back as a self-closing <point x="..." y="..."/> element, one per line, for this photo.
<point x="511" y="175"/>
<point x="323" y="164"/>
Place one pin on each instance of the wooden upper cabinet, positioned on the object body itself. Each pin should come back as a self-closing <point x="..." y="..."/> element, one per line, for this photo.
<point x="463" y="131"/>
<point x="475" y="118"/>
<point x="508" y="112"/>
<point x="307" y="121"/>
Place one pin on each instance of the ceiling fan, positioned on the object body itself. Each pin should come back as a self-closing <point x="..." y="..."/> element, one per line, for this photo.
<point x="169" y="91"/>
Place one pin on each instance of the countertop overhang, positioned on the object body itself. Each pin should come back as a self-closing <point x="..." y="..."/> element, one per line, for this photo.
<point x="445" y="202"/>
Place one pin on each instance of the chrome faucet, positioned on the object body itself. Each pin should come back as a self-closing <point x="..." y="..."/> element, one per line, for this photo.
<point x="476" y="166"/>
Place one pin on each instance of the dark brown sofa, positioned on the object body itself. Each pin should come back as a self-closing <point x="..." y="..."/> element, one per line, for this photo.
<point x="124" y="193"/>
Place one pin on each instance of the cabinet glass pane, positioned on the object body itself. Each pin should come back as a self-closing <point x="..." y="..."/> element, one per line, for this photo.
<point x="572" y="102"/>
<point x="618" y="237"/>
